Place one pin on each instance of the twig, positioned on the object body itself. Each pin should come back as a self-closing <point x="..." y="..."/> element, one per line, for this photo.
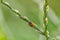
<point x="22" y="17"/>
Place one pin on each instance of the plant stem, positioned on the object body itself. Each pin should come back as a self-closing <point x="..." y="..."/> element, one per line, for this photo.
<point x="45" y="19"/>
<point x="22" y="17"/>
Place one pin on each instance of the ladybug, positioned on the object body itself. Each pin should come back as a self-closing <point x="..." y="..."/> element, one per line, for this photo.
<point x="31" y="24"/>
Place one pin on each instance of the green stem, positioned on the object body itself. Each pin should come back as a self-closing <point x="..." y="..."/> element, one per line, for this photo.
<point x="45" y="18"/>
<point x="22" y="17"/>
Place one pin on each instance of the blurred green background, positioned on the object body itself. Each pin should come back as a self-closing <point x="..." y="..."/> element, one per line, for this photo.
<point x="13" y="28"/>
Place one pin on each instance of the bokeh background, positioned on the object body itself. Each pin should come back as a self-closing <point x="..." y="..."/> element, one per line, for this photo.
<point x="14" y="28"/>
